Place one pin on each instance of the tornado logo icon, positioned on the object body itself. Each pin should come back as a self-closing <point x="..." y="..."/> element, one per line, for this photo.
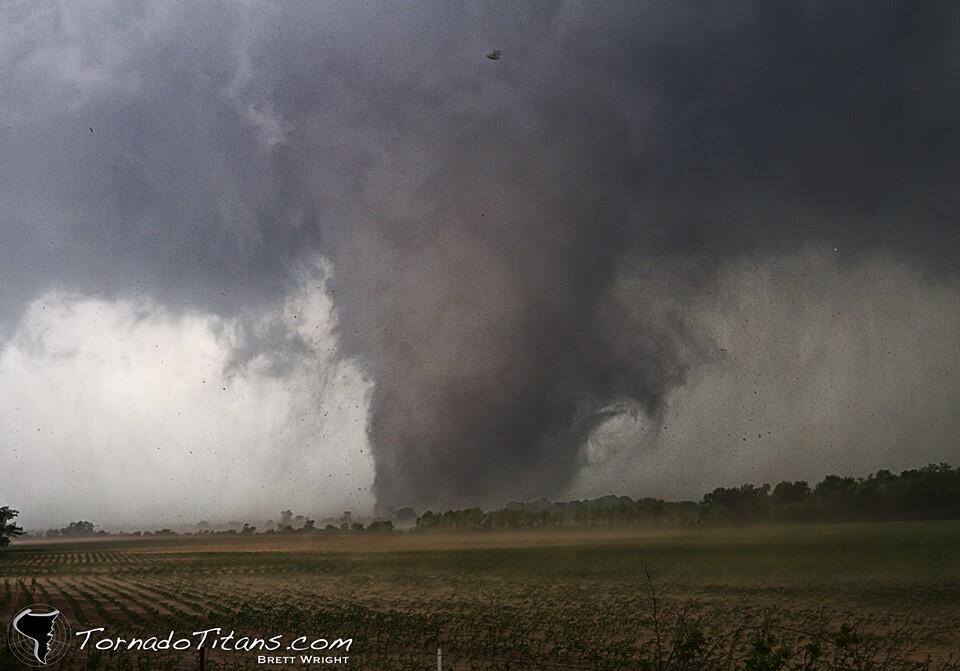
<point x="38" y="635"/>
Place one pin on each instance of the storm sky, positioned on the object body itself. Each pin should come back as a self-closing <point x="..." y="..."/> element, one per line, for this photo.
<point x="328" y="256"/>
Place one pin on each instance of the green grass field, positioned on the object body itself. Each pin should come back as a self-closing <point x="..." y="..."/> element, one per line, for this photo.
<point x="864" y="596"/>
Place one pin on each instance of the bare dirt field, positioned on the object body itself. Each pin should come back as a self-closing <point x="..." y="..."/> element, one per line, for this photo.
<point x="865" y="596"/>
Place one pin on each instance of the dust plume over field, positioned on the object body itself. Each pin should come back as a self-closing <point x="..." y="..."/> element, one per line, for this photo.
<point x="454" y="280"/>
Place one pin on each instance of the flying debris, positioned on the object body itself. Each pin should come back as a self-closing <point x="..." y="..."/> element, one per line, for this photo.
<point x="494" y="55"/>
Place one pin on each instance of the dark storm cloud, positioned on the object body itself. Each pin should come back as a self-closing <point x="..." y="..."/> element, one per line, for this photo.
<point x="482" y="217"/>
<point x="127" y="163"/>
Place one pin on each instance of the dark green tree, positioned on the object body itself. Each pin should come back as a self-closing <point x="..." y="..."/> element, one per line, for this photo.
<point x="8" y="529"/>
<point x="78" y="528"/>
<point x="790" y="492"/>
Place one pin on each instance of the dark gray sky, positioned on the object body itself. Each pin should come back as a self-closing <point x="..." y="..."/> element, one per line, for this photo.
<point x="327" y="255"/>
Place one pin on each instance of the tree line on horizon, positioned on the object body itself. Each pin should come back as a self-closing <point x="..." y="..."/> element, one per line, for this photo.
<point x="928" y="493"/>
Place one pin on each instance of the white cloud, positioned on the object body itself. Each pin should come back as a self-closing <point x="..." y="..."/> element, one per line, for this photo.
<point x="125" y="412"/>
